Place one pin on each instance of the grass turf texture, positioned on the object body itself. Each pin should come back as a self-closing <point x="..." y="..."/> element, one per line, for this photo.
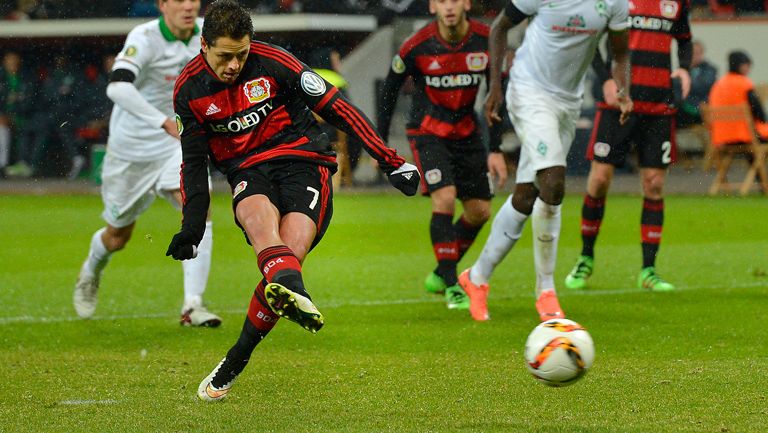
<point x="391" y="357"/>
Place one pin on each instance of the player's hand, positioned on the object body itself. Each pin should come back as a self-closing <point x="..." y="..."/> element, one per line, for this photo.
<point x="610" y="89"/>
<point x="685" y="80"/>
<point x="171" y="129"/>
<point x="626" y="106"/>
<point x="182" y="246"/>
<point x="492" y="104"/>
<point x="406" y="179"/>
<point x="497" y="167"/>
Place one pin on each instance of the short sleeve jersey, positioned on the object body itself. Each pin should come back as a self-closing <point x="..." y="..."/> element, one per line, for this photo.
<point x="560" y="42"/>
<point x="156" y="57"/>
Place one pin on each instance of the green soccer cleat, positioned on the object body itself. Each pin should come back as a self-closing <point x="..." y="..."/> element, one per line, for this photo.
<point x="293" y="306"/>
<point x="577" y="279"/>
<point x="456" y="298"/>
<point x="435" y="284"/>
<point x="649" y="280"/>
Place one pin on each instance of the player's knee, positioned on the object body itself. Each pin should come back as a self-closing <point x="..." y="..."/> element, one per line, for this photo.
<point x="523" y="203"/>
<point x="653" y="185"/>
<point x="116" y="241"/>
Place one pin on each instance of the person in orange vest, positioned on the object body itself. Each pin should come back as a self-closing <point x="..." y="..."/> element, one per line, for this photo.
<point x="735" y="88"/>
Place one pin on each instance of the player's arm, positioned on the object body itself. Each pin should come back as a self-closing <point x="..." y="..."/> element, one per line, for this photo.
<point x="682" y="32"/>
<point x="136" y="55"/>
<point x="389" y="93"/>
<point x="194" y="182"/>
<point x="507" y="19"/>
<point x="621" y="71"/>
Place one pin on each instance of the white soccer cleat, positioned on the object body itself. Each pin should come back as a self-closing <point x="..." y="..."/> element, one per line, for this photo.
<point x="199" y="316"/>
<point x="207" y="392"/>
<point x="86" y="294"/>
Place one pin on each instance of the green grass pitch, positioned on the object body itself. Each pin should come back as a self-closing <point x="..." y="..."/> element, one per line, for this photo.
<point x="391" y="357"/>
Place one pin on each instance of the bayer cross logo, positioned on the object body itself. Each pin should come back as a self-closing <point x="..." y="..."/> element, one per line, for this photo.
<point x="312" y="84"/>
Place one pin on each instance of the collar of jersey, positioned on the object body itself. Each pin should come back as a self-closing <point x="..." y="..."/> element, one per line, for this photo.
<point x="170" y="37"/>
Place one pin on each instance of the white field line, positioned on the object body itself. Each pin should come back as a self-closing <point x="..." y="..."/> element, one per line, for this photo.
<point x="87" y="402"/>
<point x="339" y="304"/>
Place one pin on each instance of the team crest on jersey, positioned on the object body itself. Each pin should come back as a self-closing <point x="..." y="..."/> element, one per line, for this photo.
<point x="601" y="8"/>
<point x="602" y="149"/>
<point x="179" y="125"/>
<point x="668" y="8"/>
<point x="576" y="21"/>
<point x="477" y="61"/>
<point x="256" y="90"/>
<point x="239" y="188"/>
<point x="398" y="65"/>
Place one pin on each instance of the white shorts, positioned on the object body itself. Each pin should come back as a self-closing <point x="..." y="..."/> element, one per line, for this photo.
<point x="546" y="126"/>
<point x="129" y="188"/>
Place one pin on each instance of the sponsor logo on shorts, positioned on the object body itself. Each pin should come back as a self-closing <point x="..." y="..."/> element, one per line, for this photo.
<point x="130" y="51"/>
<point x="602" y="149"/>
<point x="542" y="148"/>
<point x="312" y="84"/>
<point x="398" y="65"/>
<point x="256" y="90"/>
<point x="239" y="188"/>
<point x="433" y="176"/>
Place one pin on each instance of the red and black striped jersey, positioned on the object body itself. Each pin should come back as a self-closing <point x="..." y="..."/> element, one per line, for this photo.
<point x="448" y="77"/>
<point x="265" y="115"/>
<point x="653" y="24"/>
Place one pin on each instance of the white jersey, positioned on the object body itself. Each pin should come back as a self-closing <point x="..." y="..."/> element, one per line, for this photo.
<point x="156" y="57"/>
<point x="561" y="40"/>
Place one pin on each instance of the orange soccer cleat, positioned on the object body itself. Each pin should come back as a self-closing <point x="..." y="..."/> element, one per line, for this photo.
<point x="478" y="297"/>
<point x="548" y="306"/>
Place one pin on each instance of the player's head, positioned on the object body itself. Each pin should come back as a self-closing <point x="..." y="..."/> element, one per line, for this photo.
<point x="12" y="62"/>
<point x="450" y="13"/>
<point x="739" y="62"/>
<point x="226" y="38"/>
<point x="179" y="15"/>
<point x="698" y="53"/>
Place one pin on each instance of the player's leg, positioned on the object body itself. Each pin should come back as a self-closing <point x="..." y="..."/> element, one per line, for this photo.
<point x="655" y="156"/>
<point x="196" y="271"/>
<point x="126" y="193"/>
<point x="259" y="321"/>
<point x="443" y="239"/>
<point x="607" y="149"/>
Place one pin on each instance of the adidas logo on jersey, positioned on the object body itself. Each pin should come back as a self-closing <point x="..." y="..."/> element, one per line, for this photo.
<point x="212" y="109"/>
<point x="434" y="65"/>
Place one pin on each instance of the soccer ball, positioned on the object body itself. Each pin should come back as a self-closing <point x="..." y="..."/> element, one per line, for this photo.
<point x="559" y="352"/>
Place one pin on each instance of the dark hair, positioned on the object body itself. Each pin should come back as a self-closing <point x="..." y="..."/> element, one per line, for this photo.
<point x="736" y="59"/>
<point x="226" y="18"/>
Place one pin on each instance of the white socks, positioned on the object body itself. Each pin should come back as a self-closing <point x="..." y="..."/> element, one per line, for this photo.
<point x="196" y="270"/>
<point x="505" y="231"/>
<point x="98" y="256"/>
<point x="546" y="234"/>
<point x="5" y="145"/>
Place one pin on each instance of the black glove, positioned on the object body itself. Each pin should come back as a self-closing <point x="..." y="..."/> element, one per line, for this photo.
<point x="182" y="246"/>
<point x="406" y="179"/>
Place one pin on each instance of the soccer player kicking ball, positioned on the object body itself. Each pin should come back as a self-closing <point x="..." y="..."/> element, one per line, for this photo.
<point x="544" y="96"/>
<point x="143" y="152"/>
<point x="448" y="59"/>
<point x="651" y="128"/>
<point x="245" y="106"/>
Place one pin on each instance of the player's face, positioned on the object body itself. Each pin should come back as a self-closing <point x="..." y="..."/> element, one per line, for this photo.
<point x="227" y="56"/>
<point x="450" y="13"/>
<point x="180" y="15"/>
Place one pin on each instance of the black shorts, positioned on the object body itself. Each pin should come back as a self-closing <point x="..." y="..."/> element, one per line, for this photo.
<point x="292" y="186"/>
<point x="463" y="163"/>
<point x="652" y="135"/>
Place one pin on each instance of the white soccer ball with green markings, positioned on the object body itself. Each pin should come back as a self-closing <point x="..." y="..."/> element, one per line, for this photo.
<point x="559" y="352"/>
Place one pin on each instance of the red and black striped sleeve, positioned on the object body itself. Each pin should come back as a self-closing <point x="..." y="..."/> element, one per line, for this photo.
<point x="194" y="167"/>
<point x="325" y="100"/>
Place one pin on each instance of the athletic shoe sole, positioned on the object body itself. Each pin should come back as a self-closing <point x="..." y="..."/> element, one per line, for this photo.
<point x="294" y="307"/>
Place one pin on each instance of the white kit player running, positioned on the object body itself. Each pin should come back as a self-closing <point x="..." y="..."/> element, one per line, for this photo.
<point x="143" y="158"/>
<point x="544" y="98"/>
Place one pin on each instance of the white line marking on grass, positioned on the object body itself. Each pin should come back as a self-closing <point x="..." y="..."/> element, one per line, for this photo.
<point x="87" y="402"/>
<point x="563" y="293"/>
